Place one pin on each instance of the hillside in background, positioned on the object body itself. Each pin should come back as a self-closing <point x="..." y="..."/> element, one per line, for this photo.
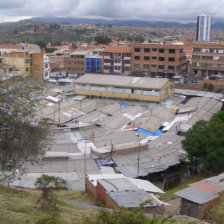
<point x="137" y="23"/>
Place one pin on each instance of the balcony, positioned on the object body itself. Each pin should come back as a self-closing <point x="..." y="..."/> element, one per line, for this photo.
<point x="127" y="58"/>
<point x="106" y="57"/>
<point x="118" y="64"/>
<point x="127" y="65"/>
<point x="107" y="64"/>
<point x="118" y="71"/>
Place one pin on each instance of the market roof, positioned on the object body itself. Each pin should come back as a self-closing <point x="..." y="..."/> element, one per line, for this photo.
<point x="196" y="195"/>
<point x="122" y="81"/>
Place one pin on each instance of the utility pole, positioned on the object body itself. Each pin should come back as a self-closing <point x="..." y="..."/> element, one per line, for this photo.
<point x="138" y="155"/>
<point x="59" y="112"/>
<point x="111" y="147"/>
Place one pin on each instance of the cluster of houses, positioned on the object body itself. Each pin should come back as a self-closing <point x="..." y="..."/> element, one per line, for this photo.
<point x="194" y="60"/>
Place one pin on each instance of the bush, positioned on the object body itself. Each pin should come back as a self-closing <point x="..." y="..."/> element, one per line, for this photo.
<point x="49" y="219"/>
<point x="205" y="85"/>
<point x="210" y="87"/>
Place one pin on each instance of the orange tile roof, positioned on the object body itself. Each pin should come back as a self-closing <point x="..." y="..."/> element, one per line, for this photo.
<point x="10" y="46"/>
<point x="118" y="49"/>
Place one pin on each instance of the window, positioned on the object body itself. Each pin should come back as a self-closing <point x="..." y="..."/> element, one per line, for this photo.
<point x="154" y="58"/>
<point x="27" y="61"/>
<point x="154" y="49"/>
<point x="195" y="56"/>
<point x="171" y="67"/>
<point x="146" y="66"/>
<point x="146" y="49"/>
<point x="195" y="49"/>
<point x="172" y="51"/>
<point x="206" y="57"/>
<point x="136" y="65"/>
<point x="161" y="50"/>
<point x="153" y="66"/>
<point x="27" y="69"/>
<point x="171" y="59"/>
<point x="137" y="49"/>
<point x="161" y="59"/>
<point x="161" y="66"/>
<point x="137" y="58"/>
<point x="146" y="58"/>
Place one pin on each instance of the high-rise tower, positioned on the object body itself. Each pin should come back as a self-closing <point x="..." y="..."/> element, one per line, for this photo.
<point x="204" y="27"/>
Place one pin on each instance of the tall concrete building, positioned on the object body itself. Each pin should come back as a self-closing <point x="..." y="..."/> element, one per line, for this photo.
<point x="204" y="27"/>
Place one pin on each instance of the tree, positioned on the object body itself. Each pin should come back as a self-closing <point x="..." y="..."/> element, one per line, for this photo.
<point x="48" y="184"/>
<point x="22" y="137"/>
<point x="136" y="73"/>
<point x="205" y="142"/>
<point x="102" y="40"/>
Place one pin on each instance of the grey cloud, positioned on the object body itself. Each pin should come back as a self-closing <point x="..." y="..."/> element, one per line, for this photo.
<point x="11" y="4"/>
<point x="173" y="10"/>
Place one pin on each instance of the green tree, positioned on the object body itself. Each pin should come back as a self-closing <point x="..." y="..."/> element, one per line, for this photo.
<point x="136" y="73"/>
<point x="102" y="40"/>
<point x="48" y="185"/>
<point x="210" y="87"/>
<point x="42" y="45"/>
<point x="22" y="137"/>
<point x="204" y="142"/>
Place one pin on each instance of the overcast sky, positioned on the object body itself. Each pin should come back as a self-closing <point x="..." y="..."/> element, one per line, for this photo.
<point x="147" y="10"/>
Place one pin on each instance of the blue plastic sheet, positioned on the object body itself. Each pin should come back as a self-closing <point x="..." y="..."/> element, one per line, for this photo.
<point x="158" y="132"/>
<point x="124" y="105"/>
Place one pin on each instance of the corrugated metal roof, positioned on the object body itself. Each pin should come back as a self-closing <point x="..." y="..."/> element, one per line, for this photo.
<point x="132" y="199"/>
<point x="120" y="184"/>
<point x="122" y="81"/>
<point x="196" y="195"/>
<point x="207" y="186"/>
<point x="189" y="92"/>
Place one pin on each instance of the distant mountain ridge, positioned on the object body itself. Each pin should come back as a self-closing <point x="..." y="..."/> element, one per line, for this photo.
<point x="138" y="23"/>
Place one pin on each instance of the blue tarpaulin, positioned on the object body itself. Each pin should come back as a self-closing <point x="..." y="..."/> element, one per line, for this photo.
<point x="124" y="105"/>
<point x="158" y="132"/>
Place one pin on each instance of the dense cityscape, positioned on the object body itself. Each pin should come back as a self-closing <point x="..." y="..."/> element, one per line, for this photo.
<point x="104" y="123"/>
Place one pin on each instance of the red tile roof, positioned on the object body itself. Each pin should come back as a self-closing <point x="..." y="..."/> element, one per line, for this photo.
<point x="207" y="187"/>
<point x="118" y="49"/>
<point x="10" y="46"/>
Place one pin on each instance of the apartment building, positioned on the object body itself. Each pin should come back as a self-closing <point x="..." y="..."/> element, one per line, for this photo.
<point x="204" y="23"/>
<point x="207" y="59"/>
<point x="7" y="48"/>
<point x="75" y="63"/>
<point x="165" y="59"/>
<point x="93" y="64"/>
<point x="20" y="60"/>
<point x="117" y="60"/>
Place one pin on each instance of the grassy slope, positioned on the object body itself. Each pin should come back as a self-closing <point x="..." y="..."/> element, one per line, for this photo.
<point x="216" y="213"/>
<point x="17" y="206"/>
